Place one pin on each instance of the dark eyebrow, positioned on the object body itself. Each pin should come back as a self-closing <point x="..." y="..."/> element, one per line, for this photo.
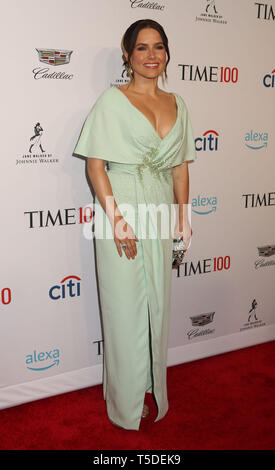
<point x="144" y="44"/>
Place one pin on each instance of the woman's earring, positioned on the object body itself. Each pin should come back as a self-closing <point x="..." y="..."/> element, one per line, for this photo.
<point x="130" y="71"/>
<point x="163" y="77"/>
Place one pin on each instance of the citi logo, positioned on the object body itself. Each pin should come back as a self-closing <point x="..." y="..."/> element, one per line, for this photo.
<point x="208" y="141"/>
<point x="204" y="205"/>
<point x="35" y="359"/>
<point x="209" y="73"/>
<point x="269" y="80"/>
<point x="256" y="140"/>
<point x="67" y="288"/>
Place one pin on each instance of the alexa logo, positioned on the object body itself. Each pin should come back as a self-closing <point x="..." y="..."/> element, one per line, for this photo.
<point x="68" y="287"/>
<point x="204" y="205"/>
<point x="40" y="361"/>
<point x="256" y="140"/>
<point x="269" y="79"/>
<point x="209" y="141"/>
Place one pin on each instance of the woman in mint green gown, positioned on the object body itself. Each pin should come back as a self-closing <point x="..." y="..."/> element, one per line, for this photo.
<point x="135" y="293"/>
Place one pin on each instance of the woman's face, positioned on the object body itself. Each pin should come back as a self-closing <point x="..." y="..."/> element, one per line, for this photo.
<point x="149" y="55"/>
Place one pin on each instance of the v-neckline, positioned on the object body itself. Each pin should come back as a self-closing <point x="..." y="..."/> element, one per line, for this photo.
<point x="147" y="120"/>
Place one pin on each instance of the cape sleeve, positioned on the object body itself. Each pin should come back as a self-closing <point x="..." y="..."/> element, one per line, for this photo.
<point x="187" y="151"/>
<point x="100" y="130"/>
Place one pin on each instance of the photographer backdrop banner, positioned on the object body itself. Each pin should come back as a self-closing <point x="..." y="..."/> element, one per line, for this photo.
<point x="58" y="58"/>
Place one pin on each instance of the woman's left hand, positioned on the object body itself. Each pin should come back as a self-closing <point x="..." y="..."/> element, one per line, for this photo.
<point x="184" y="231"/>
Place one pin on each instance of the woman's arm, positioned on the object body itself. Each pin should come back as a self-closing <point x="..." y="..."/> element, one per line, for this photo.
<point x="103" y="189"/>
<point x="181" y="196"/>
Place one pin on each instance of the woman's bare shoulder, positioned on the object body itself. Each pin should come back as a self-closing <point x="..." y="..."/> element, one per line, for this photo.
<point x="123" y="87"/>
<point x="171" y="95"/>
<point x="165" y="93"/>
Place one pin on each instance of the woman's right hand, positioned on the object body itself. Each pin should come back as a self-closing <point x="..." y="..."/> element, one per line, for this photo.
<point x="123" y="233"/>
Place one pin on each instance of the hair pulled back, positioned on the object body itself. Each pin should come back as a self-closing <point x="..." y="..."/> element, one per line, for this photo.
<point x="130" y="37"/>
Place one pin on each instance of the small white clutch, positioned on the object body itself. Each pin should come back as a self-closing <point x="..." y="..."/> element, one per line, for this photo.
<point x="178" y="252"/>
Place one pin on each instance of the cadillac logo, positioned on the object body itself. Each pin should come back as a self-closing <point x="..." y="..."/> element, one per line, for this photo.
<point x="267" y="250"/>
<point x="54" y="56"/>
<point x="201" y="320"/>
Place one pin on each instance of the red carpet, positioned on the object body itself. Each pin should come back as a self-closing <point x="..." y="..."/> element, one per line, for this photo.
<point x="222" y="402"/>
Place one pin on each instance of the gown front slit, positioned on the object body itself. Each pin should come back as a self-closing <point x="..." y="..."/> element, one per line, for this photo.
<point x="135" y="293"/>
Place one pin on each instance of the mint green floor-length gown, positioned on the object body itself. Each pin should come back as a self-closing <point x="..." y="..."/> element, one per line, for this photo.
<point x="135" y="293"/>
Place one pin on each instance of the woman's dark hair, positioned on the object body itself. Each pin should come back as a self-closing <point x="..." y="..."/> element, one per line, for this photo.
<point x="130" y="37"/>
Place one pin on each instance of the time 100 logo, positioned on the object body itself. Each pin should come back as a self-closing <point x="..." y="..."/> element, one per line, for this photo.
<point x="209" y="73"/>
<point x="5" y="296"/>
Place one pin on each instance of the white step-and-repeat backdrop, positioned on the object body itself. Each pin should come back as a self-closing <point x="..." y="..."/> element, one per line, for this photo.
<point x="57" y="57"/>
